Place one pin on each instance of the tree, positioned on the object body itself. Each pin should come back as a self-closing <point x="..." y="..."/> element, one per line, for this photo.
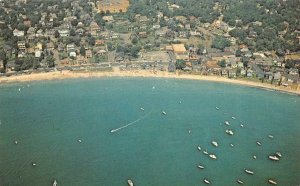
<point x="3" y="57"/>
<point x="289" y="64"/>
<point x="82" y="51"/>
<point x="74" y="22"/>
<point x="50" y="61"/>
<point x="220" y="42"/>
<point x="222" y="63"/>
<point x="180" y="64"/>
<point x="56" y="34"/>
<point x="72" y="32"/>
<point x="91" y="41"/>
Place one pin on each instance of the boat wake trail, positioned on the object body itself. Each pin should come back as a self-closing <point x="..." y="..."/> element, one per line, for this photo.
<point x="141" y="118"/>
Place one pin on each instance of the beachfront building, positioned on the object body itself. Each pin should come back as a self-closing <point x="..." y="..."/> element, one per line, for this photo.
<point x="180" y="51"/>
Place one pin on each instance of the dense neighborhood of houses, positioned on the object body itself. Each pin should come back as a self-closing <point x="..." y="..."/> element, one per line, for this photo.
<point x="95" y="33"/>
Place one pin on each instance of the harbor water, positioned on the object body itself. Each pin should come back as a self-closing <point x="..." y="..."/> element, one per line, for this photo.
<point x="65" y="127"/>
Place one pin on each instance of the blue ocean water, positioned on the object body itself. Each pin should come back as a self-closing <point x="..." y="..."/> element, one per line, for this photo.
<point x="48" y="118"/>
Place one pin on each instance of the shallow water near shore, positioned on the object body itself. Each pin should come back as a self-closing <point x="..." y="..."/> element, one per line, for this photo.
<point x="48" y="119"/>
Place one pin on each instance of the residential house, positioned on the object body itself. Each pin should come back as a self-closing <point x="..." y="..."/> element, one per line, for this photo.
<point x="293" y="71"/>
<point x="277" y="76"/>
<point x="102" y="52"/>
<point x="232" y="73"/>
<point x="142" y="34"/>
<point x="88" y="54"/>
<point x="72" y="53"/>
<point x="249" y="73"/>
<point x="21" y="54"/>
<point x="39" y="33"/>
<point x="70" y="47"/>
<point x="21" y="45"/>
<point x="81" y="59"/>
<point x="39" y="46"/>
<point x="94" y="29"/>
<point x="18" y="33"/>
<point x="50" y="46"/>
<point x="224" y="72"/>
<point x="115" y="36"/>
<point x="156" y="26"/>
<point x="243" y="72"/>
<point x="108" y="18"/>
<point x="37" y="53"/>
<point x="64" y="32"/>
<point x="99" y="42"/>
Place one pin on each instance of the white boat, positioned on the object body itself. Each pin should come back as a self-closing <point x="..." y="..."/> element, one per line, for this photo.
<point x="271" y="136"/>
<point x="164" y="113"/>
<point x="249" y="171"/>
<point x="16" y="142"/>
<point x="254" y="157"/>
<point x="199" y="148"/>
<point x="200" y="167"/>
<point x="229" y="132"/>
<point x="179" y="102"/>
<point x="242" y="125"/>
<point x="217" y="108"/>
<point x="212" y="156"/>
<point x="278" y="154"/>
<point x="205" y="152"/>
<point x="54" y="183"/>
<point x="275" y="158"/>
<point x="33" y="164"/>
<point x="233" y="117"/>
<point x="130" y="183"/>
<point x="240" y="182"/>
<point x="214" y="143"/>
<point x="206" y="181"/>
<point x="142" y="109"/>
<point x="79" y="140"/>
<point x="19" y="89"/>
<point x="258" y="143"/>
<point x="231" y="145"/>
<point x="226" y="123"/>
<point x="272" y="182"/>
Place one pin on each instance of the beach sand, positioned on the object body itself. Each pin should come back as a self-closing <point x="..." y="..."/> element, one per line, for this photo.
<point x="138" y="73"/>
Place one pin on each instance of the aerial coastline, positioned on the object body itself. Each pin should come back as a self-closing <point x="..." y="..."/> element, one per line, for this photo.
<point x="116" y="72"/>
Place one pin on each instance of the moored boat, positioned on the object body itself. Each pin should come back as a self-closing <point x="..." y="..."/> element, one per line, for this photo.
<point x="212" y="156"/>
<point x="214" y="143"/>
<point x="217" y="108"/>
<point x="272" y="182"/>
<point x="205" y="152"/>
<point x="130" y="182"/>
<point x="206" y="181"/>
<point x="199" y="148"/>
<point x="275" y="158"/>
<point x="271" y="136"/>
<point x="258" y="143"/>
<point x="200" y="167"/>
<point x="142" y="109"/>
<point x="229" y="132"/>
<point x="240" y="182"/>
<point x="54" y="183"/>
<point x="226" y="123"/>
<point x="233" y="117"/>
<point x="164" y="113"/>
<point x="249" y="171"/>
<point x="278" y="154"/>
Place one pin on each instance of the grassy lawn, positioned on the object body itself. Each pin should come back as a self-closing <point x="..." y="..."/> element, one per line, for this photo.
<point x="1" y="42"/>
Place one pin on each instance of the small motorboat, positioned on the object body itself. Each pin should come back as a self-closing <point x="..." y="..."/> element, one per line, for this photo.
<point x="130" y="183"/>
<point x="179" y="102"/>
<point x="214" y="143"/>
<point x="226" y="123"/>
<point x="217" y="108"/>
<point x="199" y="148"/>
<point x="164" y="113"/>
<point x="229" y="132"/>
<point x="233" y="117"/>
<point x="240" y="182"/>
<point x="142" y="109"/>
<point x="212" y="156"/>
<point x="271" y="136"/>
<point x="278" y="154"/>
<point x="254" y="157"/>
<point x="206" y="181"/>
<point x="258" y="143"/>
<point x="249" y="171"/>
<point x="54" y="183"/>
<point x="205" y="152"/>
<point x="242" y="125"/>
<point x="231" y="145"/>
<point x="19" y="89"/>
<point x="16" y="142"/>
<point x="33" y="164"/>
<point x="272" y="182"/>
<point x="79" y="140"/>
<point x="200" y="167"/>
<point x="275" y="158"/>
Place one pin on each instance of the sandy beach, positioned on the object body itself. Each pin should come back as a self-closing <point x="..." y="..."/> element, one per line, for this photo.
<point x="139" y="73"/>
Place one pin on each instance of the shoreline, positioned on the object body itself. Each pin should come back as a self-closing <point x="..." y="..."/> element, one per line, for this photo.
<point x="59" y="75"/>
